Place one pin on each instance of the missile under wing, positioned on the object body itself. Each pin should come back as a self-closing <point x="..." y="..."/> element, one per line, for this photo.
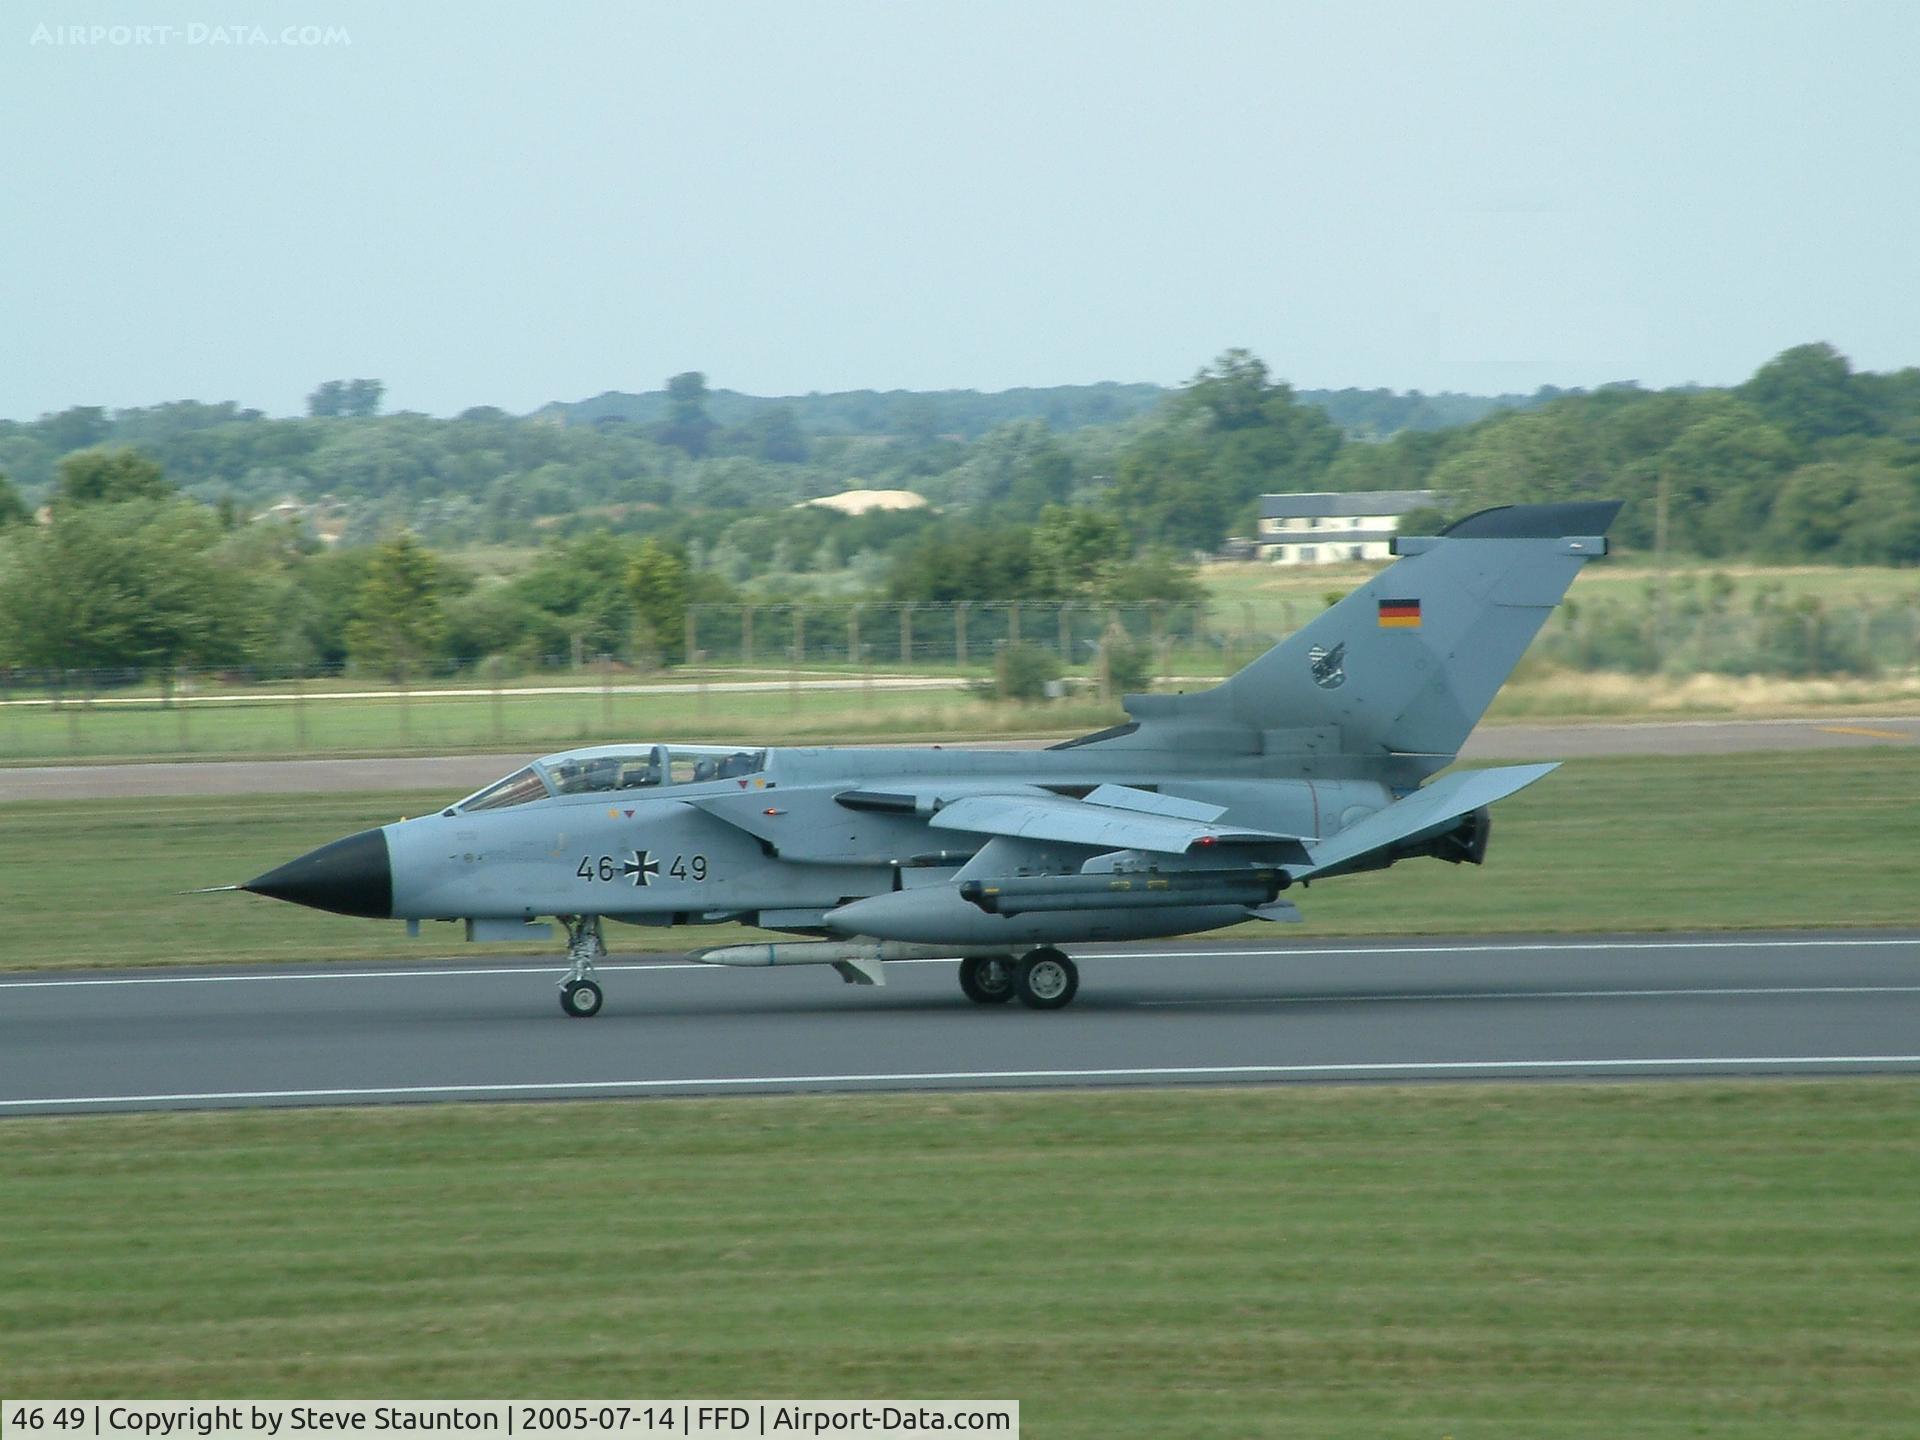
<point x="1202" y="810"/>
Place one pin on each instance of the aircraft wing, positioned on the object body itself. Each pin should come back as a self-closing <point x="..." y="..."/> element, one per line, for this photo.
<point x="1111" y="817"/>
<point x="1426" y="812"/>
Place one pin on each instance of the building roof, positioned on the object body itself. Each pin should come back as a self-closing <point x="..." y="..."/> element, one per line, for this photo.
<point x="1333" y="539"/>
<point x="1344" y="502"/>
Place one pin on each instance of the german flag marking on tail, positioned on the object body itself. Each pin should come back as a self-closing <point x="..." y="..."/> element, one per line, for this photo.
<point x="1399" y="614"/>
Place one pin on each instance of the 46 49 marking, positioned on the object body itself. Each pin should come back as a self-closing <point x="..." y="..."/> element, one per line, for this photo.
<point x="66" y="1417"/>
<point x="641" y="868"/>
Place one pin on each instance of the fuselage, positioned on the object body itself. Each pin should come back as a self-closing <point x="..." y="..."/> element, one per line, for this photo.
<point x="803" y="834"/>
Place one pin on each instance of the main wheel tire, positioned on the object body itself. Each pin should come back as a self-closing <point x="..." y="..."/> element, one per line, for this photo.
<point x="580" y="999"/>
<point x="987" y="979"/>
<point x="1046" y="979"/>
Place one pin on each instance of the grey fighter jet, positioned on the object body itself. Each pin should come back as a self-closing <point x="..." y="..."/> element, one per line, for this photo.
<point x="1200" y="811"/>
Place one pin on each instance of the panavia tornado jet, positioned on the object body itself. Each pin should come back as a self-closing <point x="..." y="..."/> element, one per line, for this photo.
<point x="1202" y="810"/>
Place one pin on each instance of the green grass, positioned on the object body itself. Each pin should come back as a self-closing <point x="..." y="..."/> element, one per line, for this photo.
<point x="1696" y="1259"/>
<point x="1258" y="596"/>
<point x="1250" y="605"/>
<point x="286" y="726"/>
<point x="448" y="724"/>
<point x="1821" y="838"/>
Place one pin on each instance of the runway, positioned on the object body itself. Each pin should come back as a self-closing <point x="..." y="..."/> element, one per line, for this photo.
<point x="456" y="775"/>
<point x="1152" y="1014"/>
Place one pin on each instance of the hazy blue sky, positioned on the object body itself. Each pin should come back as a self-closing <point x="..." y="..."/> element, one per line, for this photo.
<point x="511" y="204"/>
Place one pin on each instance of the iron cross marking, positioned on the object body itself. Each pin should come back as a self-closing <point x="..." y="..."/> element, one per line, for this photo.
<point x="642" y="869"/>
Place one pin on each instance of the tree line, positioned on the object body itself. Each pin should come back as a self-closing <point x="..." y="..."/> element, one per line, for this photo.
<point x="155" y="554"/>
<point x="1807" y="459"/>
<point x="130" y="572"/>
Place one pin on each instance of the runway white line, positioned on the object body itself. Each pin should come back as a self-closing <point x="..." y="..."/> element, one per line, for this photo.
<point x="1162" y="1072"/>
<point x="1300" y="953"/>
<point x="558" y="967"/>
<point x="1520" y="947"/>
<point x="1711" y="990"/>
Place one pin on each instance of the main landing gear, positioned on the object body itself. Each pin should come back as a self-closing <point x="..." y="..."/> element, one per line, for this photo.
<point x="988" y="979"/>
<point x="1044" y="979"/>
<point x="580" y="993"/>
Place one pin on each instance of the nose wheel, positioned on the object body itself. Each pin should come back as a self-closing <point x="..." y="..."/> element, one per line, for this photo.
<point x="580" y="994"/>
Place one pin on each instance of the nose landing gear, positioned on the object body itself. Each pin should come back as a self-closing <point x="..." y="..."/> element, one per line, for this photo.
<point x="580" y="994"/>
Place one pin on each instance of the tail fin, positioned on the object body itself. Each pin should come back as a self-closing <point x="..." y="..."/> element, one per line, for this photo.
<point x="1408" y="663"/>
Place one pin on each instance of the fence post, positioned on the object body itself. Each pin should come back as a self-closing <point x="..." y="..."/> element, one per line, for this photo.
<point x="799" y="656"/>
<point x="746" y="637"/>
<point x="693" y="637"/>
<point x="960" y="634"/>
<point x="1066" y="632"/>
<point x="164" y="679"/>
<point x="906" y="635"/>
<point x="854" y="652"/>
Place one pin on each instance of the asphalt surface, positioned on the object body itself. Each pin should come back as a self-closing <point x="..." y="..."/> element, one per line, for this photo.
<point x="454" y="775"/>
<point x="1151" y="1014"/>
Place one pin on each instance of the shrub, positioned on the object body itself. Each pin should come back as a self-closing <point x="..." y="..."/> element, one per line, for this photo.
<point x="1020" y="672"/>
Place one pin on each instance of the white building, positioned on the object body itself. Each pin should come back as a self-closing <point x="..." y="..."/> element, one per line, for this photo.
<point x="1328" y="527"/>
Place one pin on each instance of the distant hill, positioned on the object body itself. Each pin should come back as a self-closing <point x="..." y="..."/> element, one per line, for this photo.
<point x="1378" y="414"/>
<point x="966" y="413"/>
<point x="1362" y="414"/>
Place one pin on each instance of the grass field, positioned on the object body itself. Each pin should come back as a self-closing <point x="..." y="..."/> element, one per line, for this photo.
<point x="1250" y="605"/>
<point x="1824" y="838"/>
<point x="1691" y="1259"/>
<point x="1257" y="596"/>
<point x="210" y="730"/>
<point x="444" y="724"/>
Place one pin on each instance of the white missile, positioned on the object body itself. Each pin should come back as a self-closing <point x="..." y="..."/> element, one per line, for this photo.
<point x="858" y="961"/>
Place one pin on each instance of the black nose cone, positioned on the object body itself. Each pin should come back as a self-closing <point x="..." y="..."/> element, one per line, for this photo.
<point x="349" y="877"/>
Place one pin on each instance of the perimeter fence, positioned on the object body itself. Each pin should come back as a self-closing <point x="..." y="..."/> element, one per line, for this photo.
<point x="818" y="668"/>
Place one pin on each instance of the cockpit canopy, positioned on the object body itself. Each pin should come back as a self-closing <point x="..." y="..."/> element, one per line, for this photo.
<point x="615" y="767"/>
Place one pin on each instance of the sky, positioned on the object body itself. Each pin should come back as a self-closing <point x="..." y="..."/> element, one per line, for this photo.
<point x="492" y="204"/>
